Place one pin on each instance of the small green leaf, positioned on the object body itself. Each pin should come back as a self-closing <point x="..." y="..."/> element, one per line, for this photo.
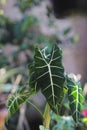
<point x="64" y="123"/>
<point x="75" y="98"/>
<point x="16" y="99"/>
<point x="66" y="31"/>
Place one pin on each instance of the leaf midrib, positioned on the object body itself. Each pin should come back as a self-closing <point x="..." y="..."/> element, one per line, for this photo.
<point x="77" y="102"/>
<point x="49" y="70"/>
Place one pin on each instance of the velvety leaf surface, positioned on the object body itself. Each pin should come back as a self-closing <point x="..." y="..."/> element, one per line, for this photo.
<point x="75" y="98"/>
<point x="16" y="99"/>
<point x="47" y="75"/>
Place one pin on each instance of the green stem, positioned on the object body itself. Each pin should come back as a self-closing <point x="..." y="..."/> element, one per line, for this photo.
<point x="36" y="108"/>
<point x="46" y="122"/>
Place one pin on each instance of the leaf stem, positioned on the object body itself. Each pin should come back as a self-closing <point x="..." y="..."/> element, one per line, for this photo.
<point x="46" y="122"/>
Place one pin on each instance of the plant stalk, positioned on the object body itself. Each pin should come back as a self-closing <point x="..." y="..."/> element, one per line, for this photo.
<point x="46" y="122"/>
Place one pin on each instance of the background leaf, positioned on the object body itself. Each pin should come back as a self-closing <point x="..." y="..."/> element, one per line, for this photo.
<point x="16" y="99"/>
<point x="64" y="123"/>
<point x="75" y="98"/>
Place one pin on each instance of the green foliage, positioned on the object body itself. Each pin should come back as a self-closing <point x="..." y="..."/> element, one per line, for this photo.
<point x="16" y="99"/>
<point x="3" y="60"/>
<point x="25" y="5"/>
<point x="64" y="123"/>
<point x="16" y="31"/>
<point x="48" y="67"/>
<point x="5" y="29"/>
<point x="25" y="32"/>
<point x="75" y="98"/>
<point x="47" y="75"/>
<point x="46" y="72"/>
<point x="66" y="31"/>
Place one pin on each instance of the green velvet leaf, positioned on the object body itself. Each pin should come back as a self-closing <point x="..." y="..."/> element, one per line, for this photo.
<point x="16" y="99"/>
<point x="75" y="98"/>
<point x="47" y="75"/>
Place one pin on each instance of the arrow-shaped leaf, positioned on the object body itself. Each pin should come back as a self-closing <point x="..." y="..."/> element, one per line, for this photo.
<point x="16" y="99"/>
<point x="75" y="98"/>
<point x="47" y="74"/>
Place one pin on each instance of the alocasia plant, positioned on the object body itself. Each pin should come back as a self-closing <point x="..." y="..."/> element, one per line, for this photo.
<point x="47" y="75"/>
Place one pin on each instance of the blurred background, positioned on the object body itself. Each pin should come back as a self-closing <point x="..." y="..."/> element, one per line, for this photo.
<point x="23" y="25"/>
